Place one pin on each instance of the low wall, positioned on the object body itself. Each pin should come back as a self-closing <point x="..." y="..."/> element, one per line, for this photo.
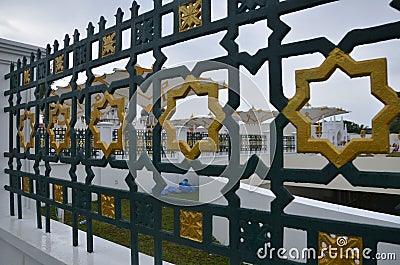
<point x="258" y="198"/>
<point x="21" y="243"/>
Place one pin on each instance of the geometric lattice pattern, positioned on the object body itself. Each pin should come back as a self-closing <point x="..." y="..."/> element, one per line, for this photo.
<point x="344" y="250"/>
<point x="191" y="225"/>
<point x="145" y="214"/>
<point x="107" y="206"/>
<point x="108" y="44"/>
<point x="26" y="184"/>
<point x="253" y="235"/>
<point x="84" y="152"/>
<point x="144" y="31"/>
<point x="59" y="64"/>
<point x="58" y="193"/>
<point x="27" y="76"/>
<point x="190" y="15"/>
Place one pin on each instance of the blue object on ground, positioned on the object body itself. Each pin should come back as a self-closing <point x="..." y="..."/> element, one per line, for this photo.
<point x="187" y="188"/>
<point x="184" y="187"/>
<point x="170" y="189"/>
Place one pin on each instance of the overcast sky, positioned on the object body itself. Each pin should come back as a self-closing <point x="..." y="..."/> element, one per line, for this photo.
<point x="42" y="21"/>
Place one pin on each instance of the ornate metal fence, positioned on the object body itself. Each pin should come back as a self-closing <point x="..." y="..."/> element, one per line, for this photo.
<point x="249" y="229"/>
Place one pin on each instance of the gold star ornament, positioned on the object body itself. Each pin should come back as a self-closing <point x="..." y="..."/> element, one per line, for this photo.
<point x="377" y="71"/>
<point x="59" y="145"/>
<point x="31" y="143"/>
<point x="200" y="89"/>
<point x="118" y="103"/>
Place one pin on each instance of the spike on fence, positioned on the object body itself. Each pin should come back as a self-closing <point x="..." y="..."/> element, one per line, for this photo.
<point x="56" y="45"/>
<point x="48" y="49"/>
<point x="102" y="23"/>
<point x="119" y="16"/>
<point x="12" y="67"/>
<point x="19" y="63"/>
<point x="66" y="40"/>
<point x="24" y="60"/>
<point x="90" y="29"/>
<point x="76" y="35"/>
<point x="134" y="9"/>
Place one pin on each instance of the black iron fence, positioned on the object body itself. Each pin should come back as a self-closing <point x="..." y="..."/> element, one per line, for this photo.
<point x="249" y="229"/>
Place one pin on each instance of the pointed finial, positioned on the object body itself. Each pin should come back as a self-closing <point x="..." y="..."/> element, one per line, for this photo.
<point x="76" y="35"/>
<point x="39" y="53"/>
<point x="48" y="49"/>
<point x="32" y="59"/>
<point x="19" y="63"/>
<point x="134" y="9"/>
<point x="66" y="40"/>
<point x="56" y="45"/>
<point x="119" y="16"/>
<point x="90" y="29"/>
<point x="12" y="67"/>
<point x="102" y="23"/>
<point x="24" y="60"/>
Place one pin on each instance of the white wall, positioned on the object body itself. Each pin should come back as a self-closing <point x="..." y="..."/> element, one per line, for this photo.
<point x="10" y="51"/>
<point x="258" y="198"/>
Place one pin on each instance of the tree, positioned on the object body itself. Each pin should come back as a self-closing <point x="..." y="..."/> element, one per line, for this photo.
<point x="353" y="127"/>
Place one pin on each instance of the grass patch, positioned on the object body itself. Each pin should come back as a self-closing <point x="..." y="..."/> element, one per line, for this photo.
<point x="173" y="253"/>
<point x="191" y="196"/>
<point x="167" y="222"/>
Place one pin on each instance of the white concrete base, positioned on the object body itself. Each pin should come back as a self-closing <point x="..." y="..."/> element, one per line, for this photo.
<point x="21" y="243"/>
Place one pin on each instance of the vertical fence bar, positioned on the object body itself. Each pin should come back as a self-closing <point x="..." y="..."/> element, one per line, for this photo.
<point x="47" y="218"/>
<point x="89" y="223"/>
<point x="134" y="234"/>
<point x="74" y="220"/>
<point x="38" y="213"/>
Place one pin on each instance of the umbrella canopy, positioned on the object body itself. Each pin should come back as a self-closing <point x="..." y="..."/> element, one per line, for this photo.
<point x="315" y="114"/>
<point x="144" y="99"/>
